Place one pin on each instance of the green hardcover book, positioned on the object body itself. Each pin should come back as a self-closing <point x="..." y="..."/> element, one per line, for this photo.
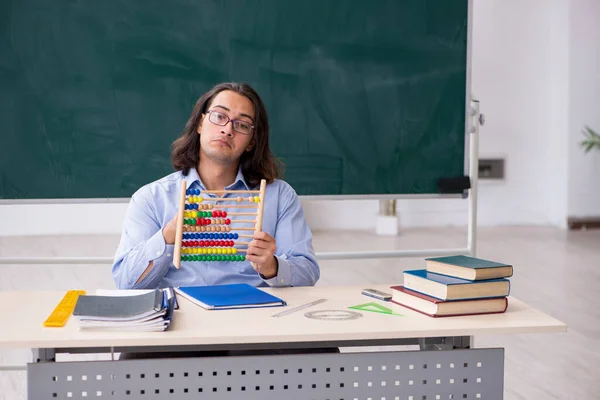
<point x="471" y="268"/>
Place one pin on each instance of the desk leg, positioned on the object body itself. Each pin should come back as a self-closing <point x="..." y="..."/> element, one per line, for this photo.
<point x="44" y="355"/>
<point x="445" y="343"/>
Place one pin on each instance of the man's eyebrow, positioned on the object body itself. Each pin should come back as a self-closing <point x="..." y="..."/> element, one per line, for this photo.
<point x="241" y="114"/>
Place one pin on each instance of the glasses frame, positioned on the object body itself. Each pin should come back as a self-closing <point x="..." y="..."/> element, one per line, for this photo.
<point x="209" y="112"/>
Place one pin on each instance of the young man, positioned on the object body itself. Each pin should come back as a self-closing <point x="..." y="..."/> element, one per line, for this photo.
<point x="224" y="146"/>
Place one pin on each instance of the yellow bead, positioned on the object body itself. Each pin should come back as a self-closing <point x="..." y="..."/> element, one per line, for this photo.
<point x="256" y="199"/>
<point x="200" y="199"/>
<point x="234" y="250"/>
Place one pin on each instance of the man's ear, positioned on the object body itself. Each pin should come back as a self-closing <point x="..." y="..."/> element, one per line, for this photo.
<point x="199" y="128"/>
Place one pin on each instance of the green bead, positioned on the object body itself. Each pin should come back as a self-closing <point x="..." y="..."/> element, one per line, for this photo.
<point x="238" y="258"/>
<point x="204" y="214"/>
<point x="209" y="214"/>
<point x="228" y="258"/>
<point x="213" y="258"/>
<point x="243" y="258"/>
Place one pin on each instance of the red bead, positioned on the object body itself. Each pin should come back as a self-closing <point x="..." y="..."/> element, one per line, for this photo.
<point x="217" y="213"/>
<point x="198" y="221"/>
<point x="201" y="243"/>
<point x="224" y="214"/>
<point x="230" y="243"/>
<point x="208" y="221"/>
<point x="221" y="243"/>
<point x="227" y="221"/>
<point x="211" y="243"/>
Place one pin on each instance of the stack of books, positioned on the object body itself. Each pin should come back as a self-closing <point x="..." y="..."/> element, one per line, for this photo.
<point x="148" y="311"/>
<point x="455" y="285"/>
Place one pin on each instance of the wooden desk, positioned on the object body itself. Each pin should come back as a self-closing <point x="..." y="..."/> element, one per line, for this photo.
<point x="199" y="329"/>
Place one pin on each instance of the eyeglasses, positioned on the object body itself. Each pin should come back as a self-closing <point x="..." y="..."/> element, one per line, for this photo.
<point x="218" y="118"/>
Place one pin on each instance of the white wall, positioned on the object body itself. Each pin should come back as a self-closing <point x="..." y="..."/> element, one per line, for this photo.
<point x="584" y="107"/>
<point x="535" y="71"/>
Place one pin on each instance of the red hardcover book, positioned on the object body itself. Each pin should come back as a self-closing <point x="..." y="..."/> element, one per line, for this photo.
<point x="438" y="308"/>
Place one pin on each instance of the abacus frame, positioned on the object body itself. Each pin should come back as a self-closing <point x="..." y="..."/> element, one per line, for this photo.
<point x="181" y="213"/>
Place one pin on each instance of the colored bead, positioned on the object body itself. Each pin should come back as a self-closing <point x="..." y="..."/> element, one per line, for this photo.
<point x="250" y="199"/>
<point x="197" y="192"/>
<point x="235" y="235"/>
<point x="242" y="258"/>
<point x="256" y="199"/>
<point x="239" y="199"/>
<point x="234" y="250"/>
<point x="209" y="206"/>
<point x="227" y="221"/>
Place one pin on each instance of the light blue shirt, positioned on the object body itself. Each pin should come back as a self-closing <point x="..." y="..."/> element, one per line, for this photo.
<point x="155" y="204"/>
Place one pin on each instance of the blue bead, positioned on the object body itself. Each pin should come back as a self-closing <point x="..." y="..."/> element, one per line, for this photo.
<point x="195" y="206"/>
<point x="197" y="192"/>
<point x="187" y="192"/>
<point x="235" y="236"/>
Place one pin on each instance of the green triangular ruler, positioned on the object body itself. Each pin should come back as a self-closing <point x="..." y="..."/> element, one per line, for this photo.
<point x="374" y="307"/>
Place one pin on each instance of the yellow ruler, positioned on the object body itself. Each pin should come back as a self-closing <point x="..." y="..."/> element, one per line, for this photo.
<point x="64" y="309"/>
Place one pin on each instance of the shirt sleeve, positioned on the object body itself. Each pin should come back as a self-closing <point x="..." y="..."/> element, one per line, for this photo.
<point x="142" y="242"/>
<point x="297" y="264"/>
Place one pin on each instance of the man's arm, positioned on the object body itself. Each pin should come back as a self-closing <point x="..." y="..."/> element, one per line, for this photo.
<point x="143" y="256"/>
<point x="296" y="262"/>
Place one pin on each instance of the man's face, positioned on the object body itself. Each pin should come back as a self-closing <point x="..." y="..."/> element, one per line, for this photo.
<point x="222" y="144"/>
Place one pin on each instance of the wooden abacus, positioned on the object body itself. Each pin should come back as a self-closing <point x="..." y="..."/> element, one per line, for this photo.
<point x="204" y="230"/>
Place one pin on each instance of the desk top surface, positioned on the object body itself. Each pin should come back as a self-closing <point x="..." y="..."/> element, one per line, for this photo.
<point x="193" y="325"/>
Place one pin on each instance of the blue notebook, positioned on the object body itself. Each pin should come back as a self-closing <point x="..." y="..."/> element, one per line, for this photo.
<point x="222" y="297"/>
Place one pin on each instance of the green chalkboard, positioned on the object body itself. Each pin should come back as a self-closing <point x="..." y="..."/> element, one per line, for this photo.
<point x="364" y="97"/>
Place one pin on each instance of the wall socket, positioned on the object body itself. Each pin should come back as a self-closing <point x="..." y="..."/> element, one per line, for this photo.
<point x="491" y="168"/>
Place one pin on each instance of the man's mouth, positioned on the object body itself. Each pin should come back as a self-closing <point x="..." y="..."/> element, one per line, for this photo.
<point x="225" y="142"/>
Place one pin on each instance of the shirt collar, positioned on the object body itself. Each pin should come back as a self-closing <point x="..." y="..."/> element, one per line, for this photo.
<point x="239" y="181"/>
<point x="193" y="176"/>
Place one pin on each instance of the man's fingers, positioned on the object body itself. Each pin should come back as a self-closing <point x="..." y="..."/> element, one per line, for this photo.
<point x="263" y="236"/>
<point x="261" y="244"/>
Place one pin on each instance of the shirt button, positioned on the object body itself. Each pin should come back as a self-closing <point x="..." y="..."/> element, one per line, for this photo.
<point x="281" y="281"/>
<point x="158" y="253"/>
<point x="168" y="254"/>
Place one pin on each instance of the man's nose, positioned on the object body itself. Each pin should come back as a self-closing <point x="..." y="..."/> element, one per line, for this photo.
<point x="227" y="128"/>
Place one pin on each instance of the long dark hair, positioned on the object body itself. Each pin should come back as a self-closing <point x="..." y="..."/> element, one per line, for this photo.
<point x="258" y="163"/>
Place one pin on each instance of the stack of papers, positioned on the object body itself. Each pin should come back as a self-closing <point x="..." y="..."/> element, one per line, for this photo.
<point x="144" y="312"/>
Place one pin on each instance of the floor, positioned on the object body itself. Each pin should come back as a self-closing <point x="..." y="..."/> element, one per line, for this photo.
<point x="556" y="271"/>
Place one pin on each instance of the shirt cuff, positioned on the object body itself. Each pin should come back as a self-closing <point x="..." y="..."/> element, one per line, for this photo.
<point x="159" y="252"/>
<point x="284" y="273"/>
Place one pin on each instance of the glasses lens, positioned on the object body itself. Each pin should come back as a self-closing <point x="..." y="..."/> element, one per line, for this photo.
<point x="218" y="118"/>
<point x="242" y="127"/>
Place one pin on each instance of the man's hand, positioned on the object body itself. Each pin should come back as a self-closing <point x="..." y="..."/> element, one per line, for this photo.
<point x="261" y="251"/>
<point x="170" y="230"/>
